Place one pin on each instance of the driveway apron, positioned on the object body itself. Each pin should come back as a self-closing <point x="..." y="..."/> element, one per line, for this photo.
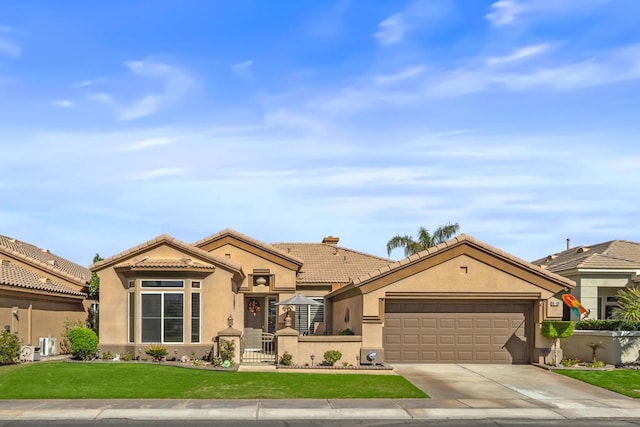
<point x="500" y="382"/>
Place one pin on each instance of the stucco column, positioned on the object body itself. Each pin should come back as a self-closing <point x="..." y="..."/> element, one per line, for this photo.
<point x="288" y="342"/>
<point x="232" y="335"/>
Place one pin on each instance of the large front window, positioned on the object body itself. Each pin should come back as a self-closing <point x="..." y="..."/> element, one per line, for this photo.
<point x="162" y="316"/>
<point x="308" y="316"/>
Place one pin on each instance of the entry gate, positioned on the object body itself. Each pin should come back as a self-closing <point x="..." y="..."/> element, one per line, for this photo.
<point x="258" y="347"/>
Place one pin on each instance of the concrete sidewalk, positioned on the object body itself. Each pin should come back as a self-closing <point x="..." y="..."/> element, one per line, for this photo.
<point x="312" y="409"/>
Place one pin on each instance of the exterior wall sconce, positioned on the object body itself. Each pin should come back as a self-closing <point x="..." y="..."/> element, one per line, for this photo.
<point x="555" y="303"/>
<point x="313" y="356"/>
<point x="230" y="321"/>
<point x="15" y="313"/>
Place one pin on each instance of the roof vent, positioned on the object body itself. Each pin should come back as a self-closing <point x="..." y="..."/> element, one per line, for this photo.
<point x="45" y="250"/>
<point x="52" y="262"/>
<point x="331" y="240"/>
<point x="12" y="240"/>
<point x="582" y="250"/>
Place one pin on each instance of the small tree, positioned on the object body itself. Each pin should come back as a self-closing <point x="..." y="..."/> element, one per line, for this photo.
<point x="331" y="357"/>
<point x="556" y="330"/>
<point x="595" y="346"/>
<point x="69" y="325"/>
<point x="94" y="283"/>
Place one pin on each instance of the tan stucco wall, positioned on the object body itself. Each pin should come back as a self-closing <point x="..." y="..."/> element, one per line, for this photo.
<point x="38" y="316"/>
<point x="347" y="313"/>
<point x="218" y="301"/>
<point x="462" y="277"/>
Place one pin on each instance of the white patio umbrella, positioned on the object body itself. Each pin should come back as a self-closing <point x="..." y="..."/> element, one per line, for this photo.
<point x="299" y="299"/>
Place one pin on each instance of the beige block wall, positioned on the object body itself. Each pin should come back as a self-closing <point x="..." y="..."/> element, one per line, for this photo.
<point x="38" y="316"/>
<point x="619" y="346"/>
<point x="301" y="348"/>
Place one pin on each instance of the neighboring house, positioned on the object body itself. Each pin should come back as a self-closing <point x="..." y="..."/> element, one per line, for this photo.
<point x="599" y="272"/>
<point x="462" y="301"/>
<point x="38" y="292"/>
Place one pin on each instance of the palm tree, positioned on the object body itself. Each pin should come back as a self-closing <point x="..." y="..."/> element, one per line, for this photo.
<point x="628" y="305"/>
<point x="425" y="239"/>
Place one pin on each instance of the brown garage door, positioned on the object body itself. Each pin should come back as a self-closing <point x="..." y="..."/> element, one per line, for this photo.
<point x="457" y="332"/>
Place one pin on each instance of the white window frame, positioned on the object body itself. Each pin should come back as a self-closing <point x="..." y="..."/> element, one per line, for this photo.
<point x="139" y="318"/>
<point x="131" y="337"/>
<point x="199" y="317"/>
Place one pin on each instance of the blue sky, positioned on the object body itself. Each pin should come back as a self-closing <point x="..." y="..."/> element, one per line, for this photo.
<point x="290" y="121"/>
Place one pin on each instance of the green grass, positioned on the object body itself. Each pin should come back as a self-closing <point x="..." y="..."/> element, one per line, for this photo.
<point x="59" y="380"/>
<point x="623" y="381"/>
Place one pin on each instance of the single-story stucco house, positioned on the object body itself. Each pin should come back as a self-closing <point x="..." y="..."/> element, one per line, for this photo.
<point x="39" y="291"/>
<point x="461" y="301"/>
<point x="599" y="271"/>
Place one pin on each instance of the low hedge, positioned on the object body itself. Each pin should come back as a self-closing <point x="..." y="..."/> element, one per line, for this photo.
<point x="607" y="325"/>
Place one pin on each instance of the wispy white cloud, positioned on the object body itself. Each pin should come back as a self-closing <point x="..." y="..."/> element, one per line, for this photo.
<point x="101" y="97"/>
<point x="158" y="173"/>
<point x="10" y="48"/>
<point x="391" y="30"/>
<point x="63" y="103"/>
<point x="520" y="54"/>
<point x="509" y="12"/>
<point x="147" y="143"/>
<point x="174" y="84"/>
<point x="404" y="74"/>
<point x="394" y="29"/>
<point x="242" y="67"/>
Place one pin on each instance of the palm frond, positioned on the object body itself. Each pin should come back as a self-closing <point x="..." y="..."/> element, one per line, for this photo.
<point x="399" y="241"/>
<point x="628" y="305"/>
<point x="445" y="232"/>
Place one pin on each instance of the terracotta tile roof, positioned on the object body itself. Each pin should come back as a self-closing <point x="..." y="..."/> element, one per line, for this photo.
<point x="327" y="263"/>
<point x="243" y="237"/>
<point x="16" y="276"/>
<point x="150" y="262"/>
<point x="615" y="254"/>
<point x="460" y="239"/>
<point x="162" y="239"/>
<point x="44" y="259"/>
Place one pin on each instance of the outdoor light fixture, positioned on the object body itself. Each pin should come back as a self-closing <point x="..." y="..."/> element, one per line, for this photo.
<point x="230" y="321"/>
<point x="313" y="356"/>
<point x="15" y="312"/>
<point x="139" y="350"/>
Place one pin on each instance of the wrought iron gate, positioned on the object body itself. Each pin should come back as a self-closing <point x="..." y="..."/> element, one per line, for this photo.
<point x="258" y="347"/>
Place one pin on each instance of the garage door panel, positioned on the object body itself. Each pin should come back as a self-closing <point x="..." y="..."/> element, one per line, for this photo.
<point x="449" y="332"/>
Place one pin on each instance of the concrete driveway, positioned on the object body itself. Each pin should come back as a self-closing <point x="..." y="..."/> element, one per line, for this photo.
<point x="509" y="386"/>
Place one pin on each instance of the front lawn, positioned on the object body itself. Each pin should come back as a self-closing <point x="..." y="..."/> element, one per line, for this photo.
<point x="60" y="380"/>
<point x="623" y="381"/>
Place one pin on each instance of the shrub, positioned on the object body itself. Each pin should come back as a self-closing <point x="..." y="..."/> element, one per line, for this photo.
<point x="570" y="362"/>
<point x="107" y="355"/>
<point x="607" y="325"/>
<point x="628" y="305"/>
<point x="156" y="351"/>
<point x="84" y="343"/>
<point x="596" y="364"/>
<point x="346" y="331"/>
<point x="227" y="350"/>
<point x="126" y="356"/>
<point x="68" y="326"/>
<point x="557" y="329"/>
<point x="286" y="359"/>
<point x="9" y="347"/>
<point x="331" y="357"/>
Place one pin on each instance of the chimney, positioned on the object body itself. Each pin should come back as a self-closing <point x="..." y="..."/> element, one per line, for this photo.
<point x="331" y="240"/>
<point x="568" y="243"/>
